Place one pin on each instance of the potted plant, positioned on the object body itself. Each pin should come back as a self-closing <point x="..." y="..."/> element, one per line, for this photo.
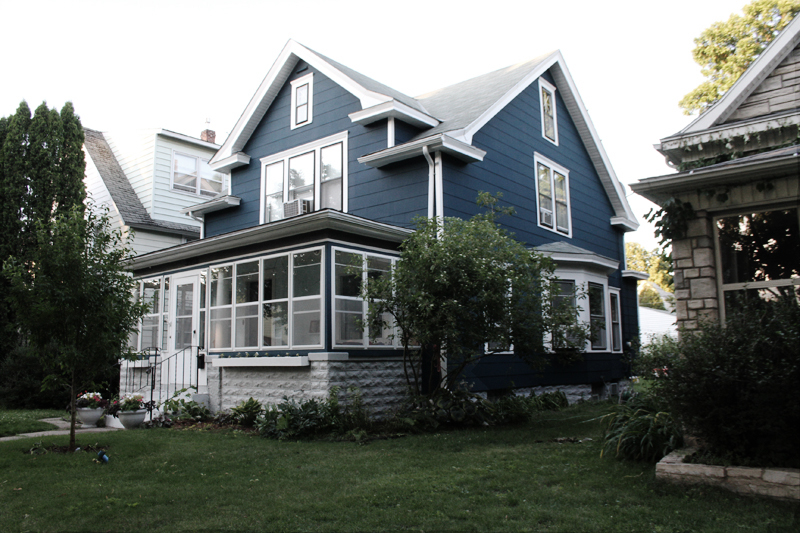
<point x="90" y="408"/>
<point x="130" y="409"/>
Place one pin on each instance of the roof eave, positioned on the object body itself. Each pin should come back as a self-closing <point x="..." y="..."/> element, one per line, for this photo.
<point x="227" y="164"/>
<point x="215" y="204"/>
<point x="441" y="142"/>
<point x="394" y="109"/>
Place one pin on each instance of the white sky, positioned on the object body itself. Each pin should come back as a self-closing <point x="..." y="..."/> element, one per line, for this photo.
<point x="173" y="64"/>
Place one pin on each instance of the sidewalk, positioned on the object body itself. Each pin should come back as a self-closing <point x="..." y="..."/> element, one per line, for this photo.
<point x="63" y="429"/>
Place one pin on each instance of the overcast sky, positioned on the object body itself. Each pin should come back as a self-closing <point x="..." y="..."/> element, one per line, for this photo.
<point x="174" y="64"/>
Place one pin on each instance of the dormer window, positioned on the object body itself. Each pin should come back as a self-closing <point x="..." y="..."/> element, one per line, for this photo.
<point x="552" y="192"/>
<point x="547" y="99"/>
<point x="193" y="175"/>
<point x="302" y="100"/>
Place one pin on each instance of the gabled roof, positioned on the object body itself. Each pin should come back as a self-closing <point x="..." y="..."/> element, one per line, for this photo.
<point x="450" y="117"/>
<point x="128" y="205"/>
<point x="756" y="73"/>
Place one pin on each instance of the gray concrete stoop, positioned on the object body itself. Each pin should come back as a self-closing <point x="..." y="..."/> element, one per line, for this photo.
<point x="63" y="429"/>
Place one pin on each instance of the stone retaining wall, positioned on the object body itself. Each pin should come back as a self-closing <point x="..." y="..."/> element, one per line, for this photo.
<point x="779" y="483"/>
<point x="382" y="382"/>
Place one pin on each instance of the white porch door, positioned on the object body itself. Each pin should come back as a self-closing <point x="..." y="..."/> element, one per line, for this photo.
<point x="184" y="316"/>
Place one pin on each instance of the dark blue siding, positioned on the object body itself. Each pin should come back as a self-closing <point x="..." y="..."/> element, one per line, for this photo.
<point x="381" y="195"/>
<point x="404" y="132"/>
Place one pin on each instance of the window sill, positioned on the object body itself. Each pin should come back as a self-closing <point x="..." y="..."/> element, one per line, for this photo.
<point x="295" y="360"/>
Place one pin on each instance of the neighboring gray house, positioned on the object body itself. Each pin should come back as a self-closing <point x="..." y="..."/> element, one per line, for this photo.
<point x="146" y="177"/>
<point x="739" y="170"/>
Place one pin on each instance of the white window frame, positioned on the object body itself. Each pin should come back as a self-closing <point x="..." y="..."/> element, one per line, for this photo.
<point x="544" y="85"/>
<point x="723" y="287"/>
<point x="197" y="189"/>
<point x="539" y="159"/>
<point x="365" y="337"/>
<point x="308" y="79"/>
<point x="614" y="292"/>
<point x="582" y="278"/>
<point x="316" y="147"/>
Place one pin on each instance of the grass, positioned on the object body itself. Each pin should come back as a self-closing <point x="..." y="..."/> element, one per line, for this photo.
<point x="487" y="479"/>
<point x="14" y="422"/>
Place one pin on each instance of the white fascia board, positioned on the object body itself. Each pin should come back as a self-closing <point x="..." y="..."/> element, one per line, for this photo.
<point x="288" y="227"/>
<point x="758" y="71"/>
<point x="216" y="204"/>
<point x="272" y="83"/>
<point x="624" y="223"/>
<point x="441" y="142"/>
<point x="591" y="261"/>
<point x="188" y="139"/>
<point x="635" y="274"/>
<point x="393" y="109"/>
<point x="225" y="166"/>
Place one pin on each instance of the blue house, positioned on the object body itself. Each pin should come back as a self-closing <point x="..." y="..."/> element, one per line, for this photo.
<point x="326" y="165"/>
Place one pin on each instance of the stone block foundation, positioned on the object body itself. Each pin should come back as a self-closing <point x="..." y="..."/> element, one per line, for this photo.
<point x="778" y="483"/>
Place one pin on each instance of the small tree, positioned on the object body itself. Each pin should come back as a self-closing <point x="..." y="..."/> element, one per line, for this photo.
<point x="464" y="289"/>
<point x="74" y="299"/>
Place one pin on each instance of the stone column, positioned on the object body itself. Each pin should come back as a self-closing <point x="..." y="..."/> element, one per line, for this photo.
<point x="695" y="274"/>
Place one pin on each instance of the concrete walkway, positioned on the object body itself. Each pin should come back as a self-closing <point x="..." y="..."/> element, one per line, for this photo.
<point x="63" y="429"/>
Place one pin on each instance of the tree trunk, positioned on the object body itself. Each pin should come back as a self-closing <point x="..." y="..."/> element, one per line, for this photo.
<point x="73" y="413"/>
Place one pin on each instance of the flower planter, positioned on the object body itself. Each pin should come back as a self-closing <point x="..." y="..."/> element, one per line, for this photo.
<point x="90" y="415"/>
<point x="132" y="419"/>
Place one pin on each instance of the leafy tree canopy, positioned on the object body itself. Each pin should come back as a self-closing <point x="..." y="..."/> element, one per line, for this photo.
<point x="656" y="263"/>
<point x="72" y="295"/>
<point x="463" y="285"/>
<point x="725" y="49"/>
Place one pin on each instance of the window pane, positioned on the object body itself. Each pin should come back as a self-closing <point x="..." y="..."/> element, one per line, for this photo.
<point x="616" y="326"/>
<point x="246" y="326"/>
<point x="302" y="95"/>
<point x="560" y="186"/>
<point x="274" y="178"/>
<point x="275" y="322"/>
<point x="382" y="331"/>
<point x="221" y="286"/>
<point x="150" y="332"/>
<point x="150" y="295"/>
<point x="331" y="162"/>
<point x="165" y="299"/>
<point x="760" y="246"/>
<point x="544" y="182"/>
<point x="549" y="117"/>
<point x="220" y="328"/>
<point x="562" y="217"/>
<point x="184" y="174"/>
<point x="307" y="272"/>
<point x="306" y="322"/>
<point x="597" y="316"/>
<point x="348" y="274"/>
<point x="276" y="278"/>
<point x="210" y="181"/>
<point x="301" y="177"/>
<point x="247" y="282"/>
<point x="302" y="114"/>
<point x="331" y="192"/>
<point x="203" y="289"/>
<point x="348" y="315"/>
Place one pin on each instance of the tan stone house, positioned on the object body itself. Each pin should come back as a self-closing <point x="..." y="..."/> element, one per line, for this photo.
<point x="738" y="183"/>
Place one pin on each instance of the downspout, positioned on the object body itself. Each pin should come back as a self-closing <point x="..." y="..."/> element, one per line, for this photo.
<point x="431" y="182"/>
<point x="202" y="220"/>
<point x="390" y="142"/>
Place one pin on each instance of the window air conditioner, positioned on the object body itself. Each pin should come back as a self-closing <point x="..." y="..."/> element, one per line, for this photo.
<point x="296" y="207"/>
<point x="547" y="217"/>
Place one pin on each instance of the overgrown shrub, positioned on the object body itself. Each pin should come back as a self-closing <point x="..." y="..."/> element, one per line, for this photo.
<point x="182" y="409"/>
<point x="734" y="387"/>
<point x="641" y="430"/>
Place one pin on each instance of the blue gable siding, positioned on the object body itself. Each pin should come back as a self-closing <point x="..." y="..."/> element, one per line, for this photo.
<point x="510" y="140"/>
<point x="391" y="196"/>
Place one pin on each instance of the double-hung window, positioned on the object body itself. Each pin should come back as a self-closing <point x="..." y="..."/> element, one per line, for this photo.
<point x="193" y="175"/>
<point x="552" y="193"/>
<point x="598" y="308"/>
<point x="759" y="255"/>
<point x="597" y="316"/>
<point x="547" y="98"/>
<point x="302" y="101"/>
<point x="306" y="178"/>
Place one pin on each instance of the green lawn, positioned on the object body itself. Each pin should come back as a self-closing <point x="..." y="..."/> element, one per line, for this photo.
<point x="16" y="421"/>
<point x="517" y="479"/>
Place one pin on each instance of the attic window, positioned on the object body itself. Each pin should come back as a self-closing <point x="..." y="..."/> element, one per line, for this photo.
<point x="548" y="107"/>
<point x="193" y="175"/>
<point x="302" y="100"/>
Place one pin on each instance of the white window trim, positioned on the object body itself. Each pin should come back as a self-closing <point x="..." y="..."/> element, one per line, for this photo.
<point x="553" y="166"/>
<point x="307" y="79"/>
<point x="365" y="337"/>
<point x="582" y="278"/>
<point x="316" y="147"/>
<point x="198" y="159"/>
<point x="549" y="87"/>
<point x="615" y="291"/>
